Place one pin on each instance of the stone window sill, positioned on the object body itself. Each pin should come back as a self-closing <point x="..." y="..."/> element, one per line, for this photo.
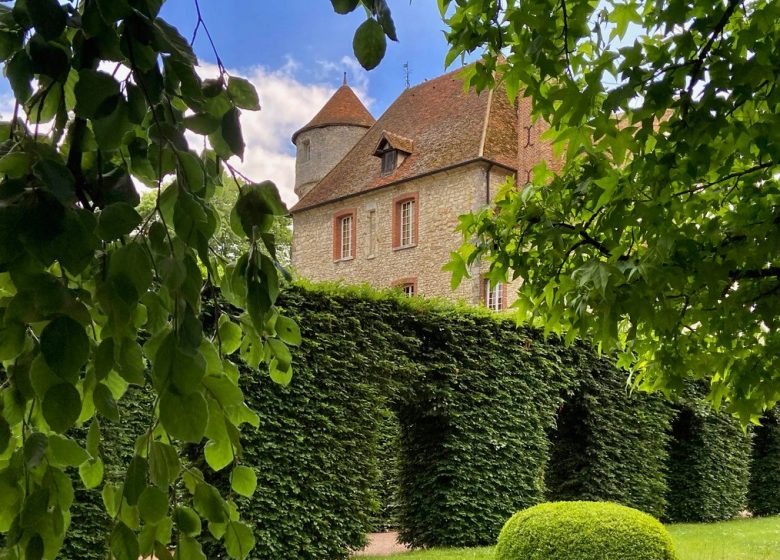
<point x="402" y="247"/>
<point x="344" y="260"/>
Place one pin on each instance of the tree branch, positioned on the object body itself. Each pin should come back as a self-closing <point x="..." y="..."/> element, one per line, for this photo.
<point x="734" y="175"/>
<point x="705" y="51"/>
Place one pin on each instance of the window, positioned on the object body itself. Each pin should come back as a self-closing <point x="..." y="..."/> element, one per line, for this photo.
<point x="306" y="150"/>
<point x="407" y="286"/>
<point x="389" y="160"/>
<point x="494" y="296"/>
<point x="405" y="221"/>
<point x="344" y="235"/>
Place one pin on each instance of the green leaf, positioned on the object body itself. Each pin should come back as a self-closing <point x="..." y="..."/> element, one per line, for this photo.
<point x="243" y="480"/>
<point x="65" y="346"/>
<point x="385" y="19"/>
<point x="202" y="123"/>
<point x="187" y="521"/>
<point x="112" y="498"/>
<point x="256" y="206"/>
<point x="210" y="504"/>
<point x="184" y="417"/>
<point x="34" y="548"/>
<point x="243" y="94"/>
<point x="229" y="335"/>
<point x="164" y="464"/>
<point x="288" y="331"/>
<point x="344" y="6"/>
<point x="12" y="338"/>
<point x="279" y="375"/>
<point x="117" y="220"/>
<point x="105" y="403"/>
<point x="239" y="540"/>
<point x="20" y="74"/>
<point x="124" y="544"/>
<point x="35" y="449"/>
<point x="231" y="132"/>
<point x="65" y="452"/>
<point x="58" y="179"/>
<point x="93" y="438"/>
<point x="114" y="10"/>
<point x="5" y="435"/>
<point x="15" y="164"/>
<point x="91" y="473"/>
<point x="135" y="480"/>
<point x="61" y="407"/>
<point x="97" y="94"/>
<point x="281" y="352"/>
<point x="153" y="505"/>
<point x="48" y="17"/>
<point x="189" y="549"/>
<point x="369" y="44"/>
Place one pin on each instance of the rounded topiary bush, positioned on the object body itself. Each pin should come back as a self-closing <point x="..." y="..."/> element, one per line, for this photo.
<point x="583" y="531"/>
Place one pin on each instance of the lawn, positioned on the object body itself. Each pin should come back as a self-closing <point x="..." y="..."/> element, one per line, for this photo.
<point x="744" y="539"/>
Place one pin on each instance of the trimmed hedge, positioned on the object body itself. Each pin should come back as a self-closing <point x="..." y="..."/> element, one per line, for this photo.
<point x="426" y="416"/>
<point x="473" y="427"/>
<point x="609" y="445"/>
<point x="764" y="488"/>
<point x="584" y="531"/>
<point x="709" y="465"/>
<point x="315" y="454"/>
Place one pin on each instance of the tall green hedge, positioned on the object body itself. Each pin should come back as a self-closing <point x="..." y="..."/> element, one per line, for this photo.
<point x="315" y="452"/>
<point x="764" y="488"/>
<point x="609" y="444"/>
<point x="473" y="427"/>
<point x="709" y="463"/>
<point x="437" y="420"/>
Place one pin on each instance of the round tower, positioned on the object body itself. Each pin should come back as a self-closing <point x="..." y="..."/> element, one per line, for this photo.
<point x="327" y="138"/>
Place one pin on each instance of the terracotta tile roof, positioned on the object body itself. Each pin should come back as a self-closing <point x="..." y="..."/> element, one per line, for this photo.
<point x="447" y="125"/>
<point x="344" y="108"/>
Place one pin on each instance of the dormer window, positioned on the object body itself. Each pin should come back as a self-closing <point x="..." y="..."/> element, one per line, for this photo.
<point x="392" y="150"/>
<point x="389" y="161"/>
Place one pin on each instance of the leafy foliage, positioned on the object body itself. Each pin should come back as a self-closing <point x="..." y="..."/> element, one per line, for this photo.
<point x="96" y="298"/>
<point x="583" y="531"/>
<point x="654" y="232"/>
<point x="764" y="487"/>
<point x="709" y="461"/>
<point x="608" y="444"/>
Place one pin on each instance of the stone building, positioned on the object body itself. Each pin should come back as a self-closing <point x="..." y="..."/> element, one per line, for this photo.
<point x="380" y="200"/>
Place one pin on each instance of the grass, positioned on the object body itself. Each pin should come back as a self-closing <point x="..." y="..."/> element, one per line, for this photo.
<point x="742" y="539"/>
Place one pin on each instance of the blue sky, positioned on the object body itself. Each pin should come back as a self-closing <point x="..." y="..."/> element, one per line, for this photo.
<point x="295" y="52"/>
<point x="270" y="32"/>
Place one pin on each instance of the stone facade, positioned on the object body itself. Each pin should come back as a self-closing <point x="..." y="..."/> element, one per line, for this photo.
<point x="454" y="151"/>
<point x="442" y="197"/>
<point x="326" y="147"/>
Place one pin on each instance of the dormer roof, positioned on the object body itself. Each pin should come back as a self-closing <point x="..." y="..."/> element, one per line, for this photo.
<point x="394" y="142"/>
<point x="342" y="109"/>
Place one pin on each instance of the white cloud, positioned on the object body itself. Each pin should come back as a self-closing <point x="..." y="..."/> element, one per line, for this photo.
<point x="287" y="104"/>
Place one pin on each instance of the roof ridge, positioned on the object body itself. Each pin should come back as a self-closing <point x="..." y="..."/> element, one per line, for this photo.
<point x="488" y="110"/>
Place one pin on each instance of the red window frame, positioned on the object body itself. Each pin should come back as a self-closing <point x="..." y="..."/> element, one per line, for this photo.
<point x="397" y="202"/>
<point x="337" y="234"/>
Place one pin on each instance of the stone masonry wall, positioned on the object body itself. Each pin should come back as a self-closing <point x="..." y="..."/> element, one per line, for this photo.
<point x="442" y="198"/>
<point x="329" y="145"/>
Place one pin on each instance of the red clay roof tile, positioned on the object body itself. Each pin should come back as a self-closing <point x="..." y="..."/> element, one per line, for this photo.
<point x="343" y="108"/>
<point x="446" y="125"/>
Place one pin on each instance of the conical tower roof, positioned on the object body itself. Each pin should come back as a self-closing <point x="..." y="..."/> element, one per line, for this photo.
<point x="343" y="109"/>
